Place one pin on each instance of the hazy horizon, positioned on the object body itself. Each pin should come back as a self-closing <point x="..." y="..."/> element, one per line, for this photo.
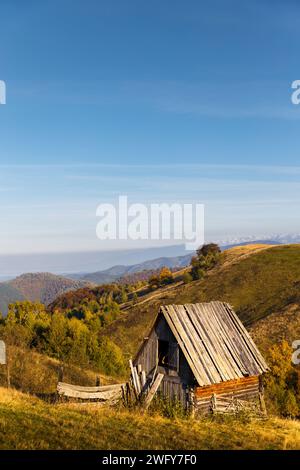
<point x="65" y="263"/>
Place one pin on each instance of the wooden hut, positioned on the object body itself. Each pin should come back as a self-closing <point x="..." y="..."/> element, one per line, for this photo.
<point x="206" y="355"/>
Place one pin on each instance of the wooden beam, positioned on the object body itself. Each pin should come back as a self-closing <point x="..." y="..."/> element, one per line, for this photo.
<point x="214" y="402"/>
<point x="153" y="391"/>
<point x="135" y="379"/>
<point x="79" y="388"/>
<point x="100" y="395"/>
<point x="143" y="378"/>
<point x="262" y="404"/>
<point x="132" y="375"/>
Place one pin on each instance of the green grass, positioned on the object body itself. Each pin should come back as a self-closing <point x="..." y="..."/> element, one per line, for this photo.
<point x="29" y="423"/>
<point x="256" y="285"/>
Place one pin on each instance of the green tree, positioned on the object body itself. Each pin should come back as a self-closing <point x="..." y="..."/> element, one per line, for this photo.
<point x="57" y="338"/>
<point x="27" y="323"/>
<point x="110" y="312"/>
<point x="110" y="358"/>
<point x="206" y="258"/>
<point x="77" y="338"/>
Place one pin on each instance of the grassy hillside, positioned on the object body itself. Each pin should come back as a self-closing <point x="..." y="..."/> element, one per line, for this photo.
<point x="38" y="374"/>
<point x="280" y="325"/>
<point x="257" y="281"/>
<point x="29" y="423"/>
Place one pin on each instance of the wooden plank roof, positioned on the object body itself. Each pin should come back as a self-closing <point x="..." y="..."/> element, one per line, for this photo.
<point x="214" y="342"/>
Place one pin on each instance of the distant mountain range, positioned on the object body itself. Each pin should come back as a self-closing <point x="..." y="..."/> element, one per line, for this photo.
<point x="81" y="262"/>
<point x="117" y="272"/>
<point x="66" y="263"/>
<point x="42" y="287"/>
<point x="46" y="287"/>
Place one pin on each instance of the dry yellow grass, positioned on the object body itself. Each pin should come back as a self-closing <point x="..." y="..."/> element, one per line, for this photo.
<point x="29" y="423"/>
<point x="37" y="373"/>
<point x="283" y="324"/>
<point x="238" y="253"/>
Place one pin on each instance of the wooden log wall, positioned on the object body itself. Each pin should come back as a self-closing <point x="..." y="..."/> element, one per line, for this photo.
<point x="173" y="389"/>
<point x="246" y="388"/>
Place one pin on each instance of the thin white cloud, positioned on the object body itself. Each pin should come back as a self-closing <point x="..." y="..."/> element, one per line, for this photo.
<point x="288" y="169"/>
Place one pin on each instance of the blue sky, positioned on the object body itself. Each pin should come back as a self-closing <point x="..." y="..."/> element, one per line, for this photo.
<point x="161" y="100"/>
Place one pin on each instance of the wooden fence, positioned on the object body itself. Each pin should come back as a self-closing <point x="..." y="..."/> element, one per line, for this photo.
<point x="103" y="393"/>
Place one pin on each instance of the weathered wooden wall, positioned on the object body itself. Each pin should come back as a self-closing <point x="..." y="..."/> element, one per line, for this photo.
<point x="176" y="380"/>
<point x="246" y="388"/>
<point x="147" y="355"/>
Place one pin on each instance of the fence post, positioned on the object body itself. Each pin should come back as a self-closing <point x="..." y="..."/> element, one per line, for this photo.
<point x="61" y="373"/>
<point x="262" y="404"/>
<point x="7" y="374"/>
<point x="191" y="401"/>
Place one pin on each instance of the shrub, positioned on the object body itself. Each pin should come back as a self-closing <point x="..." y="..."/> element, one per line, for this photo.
<point x="165" y="276"/>
<point x="167" y="407"/>
<point x="187" y="278"/>
<point x="206" y="258"/>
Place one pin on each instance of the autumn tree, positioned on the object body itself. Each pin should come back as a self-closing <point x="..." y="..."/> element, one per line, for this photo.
<point x="26" y="323"/>
<point x="165" y="276"/>
<point x="282" y="383"/>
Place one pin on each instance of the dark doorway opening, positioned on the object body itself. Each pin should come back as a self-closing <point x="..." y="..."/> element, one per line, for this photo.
<point x="163" y="353"/>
